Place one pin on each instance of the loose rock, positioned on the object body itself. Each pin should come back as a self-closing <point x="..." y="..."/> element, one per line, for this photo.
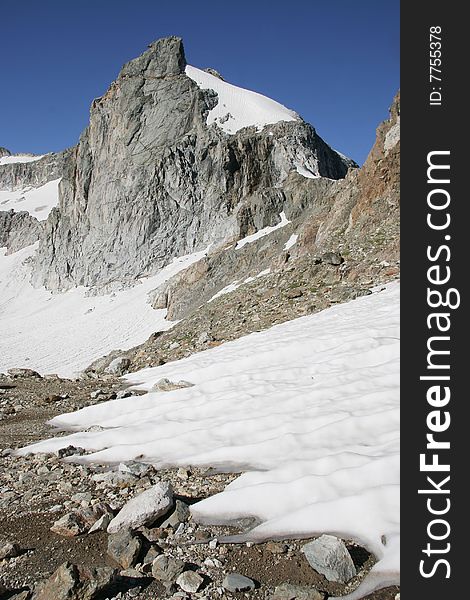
<point x="276" y="547"/>
<point x="165" y="385"/>
<point x="167" y="568"/>
<point x="124" y="547"/>
<point x="329" y="556"/>
<point x="288" y="591"/>
<point x="23" y="373"/>
<point x="190" y="581"/>
<point x="70" y="525"/>
<point x="118" y="366"/>
<point x="70" y="582"/>
<point x="179" y="515"/>
<point x="8" y="550"/>
<point x="234" y="582"/>
<point x="144" y="509"/>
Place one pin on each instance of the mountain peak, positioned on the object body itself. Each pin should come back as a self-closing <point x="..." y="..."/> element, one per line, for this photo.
<point x="163" y="57"/>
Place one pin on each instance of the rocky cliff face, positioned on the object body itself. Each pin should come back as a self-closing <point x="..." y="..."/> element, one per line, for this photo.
<point x="18" y="230"/>
<point x="20" y="175"/>
<point x="150" y="180"/>
<point x="357" y="218"/>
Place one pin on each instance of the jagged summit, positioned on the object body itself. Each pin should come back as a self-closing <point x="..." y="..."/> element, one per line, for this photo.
<point x="167" y="166"/>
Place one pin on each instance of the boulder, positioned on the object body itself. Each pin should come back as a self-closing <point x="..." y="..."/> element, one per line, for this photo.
<point x="124" y="547"/>
<point x="329" y="556"/>
<point x="118" y="366"/>
<point x="179" y="515"/>
<point x="9" y="550"/>
<point x="71" y="582"/>
<point x="23" y="373"/>
<point x="190" y="581"/>
<point x="144" y="509"/>
<point x="167" y="568"/>
<point x="70" y="525"/>
<point x="289" y="591"/>
<point x="234" y="582"/>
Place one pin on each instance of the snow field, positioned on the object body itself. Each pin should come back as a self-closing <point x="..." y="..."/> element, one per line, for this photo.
<point x="64" y="333"/>
<point x="309" y="409"/>
<point x="237" y="107"/>
<point x="38" y="202"/>
<point x="19" y="158"/>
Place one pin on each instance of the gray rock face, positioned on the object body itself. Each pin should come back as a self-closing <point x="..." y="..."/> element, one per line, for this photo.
<point x="329" y="556"/>
<point x="150" y="180"/>
<point x="18" y="230"/>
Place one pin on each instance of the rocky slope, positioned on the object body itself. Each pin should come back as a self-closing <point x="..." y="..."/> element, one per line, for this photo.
<point x="53" y="539"/>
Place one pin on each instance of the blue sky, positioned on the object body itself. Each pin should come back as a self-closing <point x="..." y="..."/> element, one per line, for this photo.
<point x="335" y="62"/>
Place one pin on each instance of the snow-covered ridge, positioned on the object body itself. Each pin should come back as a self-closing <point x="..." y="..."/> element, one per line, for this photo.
<point x="19" y="158"/>
<point x="311" y="406"/>
<point x="237" y="107"/>
<point x="38" y="202"/>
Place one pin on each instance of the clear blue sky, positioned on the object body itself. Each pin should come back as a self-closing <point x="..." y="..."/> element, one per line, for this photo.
<point x="336" y="62"/>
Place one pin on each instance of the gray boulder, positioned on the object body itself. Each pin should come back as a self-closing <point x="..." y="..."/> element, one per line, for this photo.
<point x="72" y="582"/>
<point x="118" y="366"/>
<point x="234" y="582"/>
<point x="124" y="547"/>
<point x="179" y="515"/>
<point x="329" y="556"/>
<point x="144" y="509"/>
<point x="190" y="581"/>
<point x="289" y="591"/>
<point x="167" y="568"/>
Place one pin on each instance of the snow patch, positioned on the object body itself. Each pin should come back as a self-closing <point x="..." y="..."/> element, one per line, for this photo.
<point x="309" y="409"/>
<point x="231" y="287"/>
<point x="301" y="170"/>
<point x="64" y="333"/>
<point x="393" y="137"/>
<point x="238" y="108"/>
<point x="19" y="158"/>
<point x="249" y="239"/>
<point x="38" y="202"/>
<point x="291" y="241"/>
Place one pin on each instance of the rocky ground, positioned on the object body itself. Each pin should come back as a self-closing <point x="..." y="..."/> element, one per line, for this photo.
<point x="54" y="515"/>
